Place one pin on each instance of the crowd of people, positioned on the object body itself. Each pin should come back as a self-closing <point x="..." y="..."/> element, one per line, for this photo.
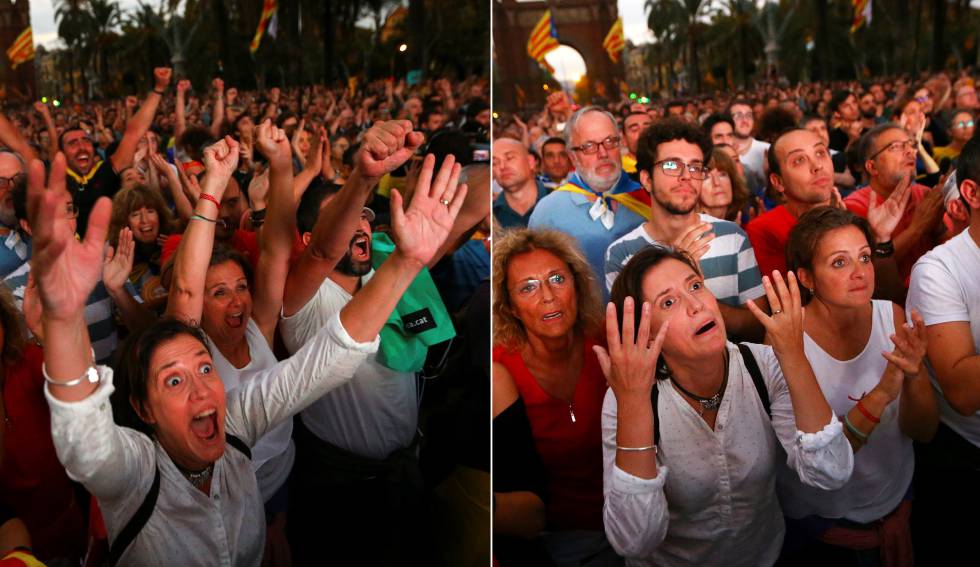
<point x="220" y="312"/>
<point x="659" y="397"/>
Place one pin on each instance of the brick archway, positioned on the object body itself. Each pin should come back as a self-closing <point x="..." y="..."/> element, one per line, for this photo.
<point x="581" y="24"/>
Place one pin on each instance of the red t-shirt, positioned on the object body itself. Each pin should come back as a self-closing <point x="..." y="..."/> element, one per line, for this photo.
<point x="32" y="480"/>
<point x="857" y="202"/>
<point x="769" y="233"/>
<point x="571" y="451"/>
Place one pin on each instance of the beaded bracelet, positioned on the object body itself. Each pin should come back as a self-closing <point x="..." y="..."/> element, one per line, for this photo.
<point x="855" y="430"/>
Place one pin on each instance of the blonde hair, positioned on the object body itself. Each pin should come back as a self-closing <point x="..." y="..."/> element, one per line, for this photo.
<point x="508" y="330"/>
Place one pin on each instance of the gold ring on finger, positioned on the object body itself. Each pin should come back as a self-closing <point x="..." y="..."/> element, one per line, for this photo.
<point x="444" y="202"/>
<point x="776" y="312"/>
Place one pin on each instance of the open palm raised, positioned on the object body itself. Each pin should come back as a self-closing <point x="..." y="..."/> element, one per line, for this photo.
<point x="420" y="230"/>
<point x="65" y="269"/>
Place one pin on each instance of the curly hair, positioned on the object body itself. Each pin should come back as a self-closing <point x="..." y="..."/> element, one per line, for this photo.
<point x="132" y="199"/>
<point x="508" y="330"/>
<point x="663" y="131"/>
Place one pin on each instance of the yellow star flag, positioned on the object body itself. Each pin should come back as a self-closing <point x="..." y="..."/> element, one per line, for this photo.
<point x="615" y="42"/>
<point x="22" y="49"/>
<point x="269" y="8"/>
<point x="543" y="38"/>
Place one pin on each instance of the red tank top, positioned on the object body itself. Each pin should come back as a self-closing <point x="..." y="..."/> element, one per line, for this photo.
<point x="568" y="440"/>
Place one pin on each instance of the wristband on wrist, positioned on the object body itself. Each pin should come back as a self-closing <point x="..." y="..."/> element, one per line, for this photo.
<point x="857" y="433"/>
<point x="257" y="217"/>
<point x="160" y="92"/>
<point x="864" y="411"/>
<point x="884" y="249"/>
<point x="210" y="198"/>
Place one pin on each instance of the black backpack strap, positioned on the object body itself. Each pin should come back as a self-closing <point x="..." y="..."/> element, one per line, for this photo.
<point x="238" y="444"/>
<point x="654" y="398"/>
<point x="760" y="385"/>
<point x="136" y="523"/>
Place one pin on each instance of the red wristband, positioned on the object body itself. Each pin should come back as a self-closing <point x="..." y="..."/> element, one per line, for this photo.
<point x="864" y="411"/>
<point x="211" y="198"/>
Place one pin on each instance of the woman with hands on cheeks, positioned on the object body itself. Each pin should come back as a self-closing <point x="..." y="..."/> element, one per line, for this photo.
<point x="692" y="424"/>
<point x="207" y="508"/>
<point x="868" y="364"/>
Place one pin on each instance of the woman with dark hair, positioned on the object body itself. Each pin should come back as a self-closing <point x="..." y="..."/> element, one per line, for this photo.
<point x="32" y="481"/>
<point x="694" y="426"/>
<point x="868" y="363"/>
<point x="204" y="501"/>
<point x="724" y="192"/>
<point x="547" y="389"/>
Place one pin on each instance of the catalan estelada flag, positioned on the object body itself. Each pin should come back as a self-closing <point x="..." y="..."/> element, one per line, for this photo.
<point x="543" y="38"/>
<point x="22" y="49"/>
<point x="862" y="14"/>
<point x="269" y="8"/>
<point x="615" y="41"/>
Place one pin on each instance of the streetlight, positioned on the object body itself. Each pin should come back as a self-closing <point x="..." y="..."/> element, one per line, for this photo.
<point x="403" y="48"/>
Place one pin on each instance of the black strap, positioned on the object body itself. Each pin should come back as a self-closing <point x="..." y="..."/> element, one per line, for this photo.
<point x="760" y="385"/>
<point x="136" y="523"/>
<point x="143" y="513"/>
<point x="750" y="364"/>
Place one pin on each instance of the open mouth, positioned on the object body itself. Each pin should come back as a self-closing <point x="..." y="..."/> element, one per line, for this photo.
<point x="705" y="328"/>
<point x="360" y="246"/>
<point x="552" y="316"/>
<point x="205" y="425"/>
<point x="235" y="320"/>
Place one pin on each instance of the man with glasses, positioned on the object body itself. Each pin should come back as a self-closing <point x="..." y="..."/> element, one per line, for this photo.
<point x="751" y="151"/>
<point x="14" y="250"/>
<point x="599" y="203"/>
<point x="90" y="178"/>
<point x="888" y="155"/>
<point x="672" y="167"/>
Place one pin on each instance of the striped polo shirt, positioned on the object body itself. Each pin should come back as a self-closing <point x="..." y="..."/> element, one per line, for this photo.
<point x="729" y="266"/>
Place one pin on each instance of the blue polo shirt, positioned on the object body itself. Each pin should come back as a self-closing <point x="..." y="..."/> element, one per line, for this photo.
<point x="507" y="217"/>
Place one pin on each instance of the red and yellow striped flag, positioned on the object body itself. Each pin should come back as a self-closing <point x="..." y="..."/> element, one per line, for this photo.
<point x="269" y="8"/>
<point x="862" y="14"/>
<point x="543" y="38"/>
<point x="615" y="42"/>
<point x="22" y="49"/>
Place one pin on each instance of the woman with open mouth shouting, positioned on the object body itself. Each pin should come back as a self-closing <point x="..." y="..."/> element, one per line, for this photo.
<point x="196" y="500"/>
<point x="694" y="426"/>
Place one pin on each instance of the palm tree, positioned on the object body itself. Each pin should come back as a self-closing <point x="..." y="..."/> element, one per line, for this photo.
<point x="676" y="21"/>
<point x="72" y="22"/>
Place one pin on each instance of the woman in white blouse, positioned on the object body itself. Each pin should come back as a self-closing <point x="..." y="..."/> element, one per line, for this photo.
<point x="701" y="489"/>
<point x="206" y="508"/>
<point x="868" y="363"/>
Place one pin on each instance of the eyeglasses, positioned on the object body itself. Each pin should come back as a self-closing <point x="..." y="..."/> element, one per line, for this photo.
<point x="531" y="287"/>
<point x="7" y="182"/>
<point x="71" y="211"/>
<point x="742" y="115"/>
<point x="899" y="146"/>
<point x="675" y="167"/>
<point x="589" y="148"/>
<point x="960" y="124"/>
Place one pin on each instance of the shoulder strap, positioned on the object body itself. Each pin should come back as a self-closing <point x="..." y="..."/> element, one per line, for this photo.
<point x="238" y="444"/>
<point x="136" y="523"/>
<point x="760" y="385"/>
<point x="654" y="398"/>
<point x="143" y="513"/>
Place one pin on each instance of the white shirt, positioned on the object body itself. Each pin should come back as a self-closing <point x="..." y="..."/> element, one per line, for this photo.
<point x="188" y="527"/>
<point x="753" y="163"/>
<point x="944" y="288"/>
<point x="273" y="455"/>
<point x="716" y="505"/>
<point x="374" y="414"/>
<point x="883" y="467"/>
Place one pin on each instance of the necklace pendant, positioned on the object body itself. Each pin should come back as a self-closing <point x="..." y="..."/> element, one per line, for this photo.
<point x="710" y="403"/>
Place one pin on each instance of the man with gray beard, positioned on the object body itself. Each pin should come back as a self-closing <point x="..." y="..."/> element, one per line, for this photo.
<point x="599" y="202"/>
<point x="14" y="249"/>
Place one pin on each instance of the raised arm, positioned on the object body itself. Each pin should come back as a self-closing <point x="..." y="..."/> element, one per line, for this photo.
<point x="418" y="234"/>
<point x="116" y="268"/>
<point x="11" y="137"/>
<point x="182" y="87"/>
<point x="140" y="123"/>
<point x="386" y="146"/>
<point x="45" y="113"/>
<point x="277" y="234"/>
<point x="186" y="300"/>
<point x="218" y="117"/>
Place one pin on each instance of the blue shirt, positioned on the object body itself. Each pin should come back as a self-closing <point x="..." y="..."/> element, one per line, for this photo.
<point x="14" y="250"/>
<point x="569" y="213"/>
<point x="508" y="217"/>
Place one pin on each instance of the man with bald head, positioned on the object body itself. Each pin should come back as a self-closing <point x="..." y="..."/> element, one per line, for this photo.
<point x="600" y="202"/>
<point x="14" y="250"/>
<point x="513" y="170"/>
